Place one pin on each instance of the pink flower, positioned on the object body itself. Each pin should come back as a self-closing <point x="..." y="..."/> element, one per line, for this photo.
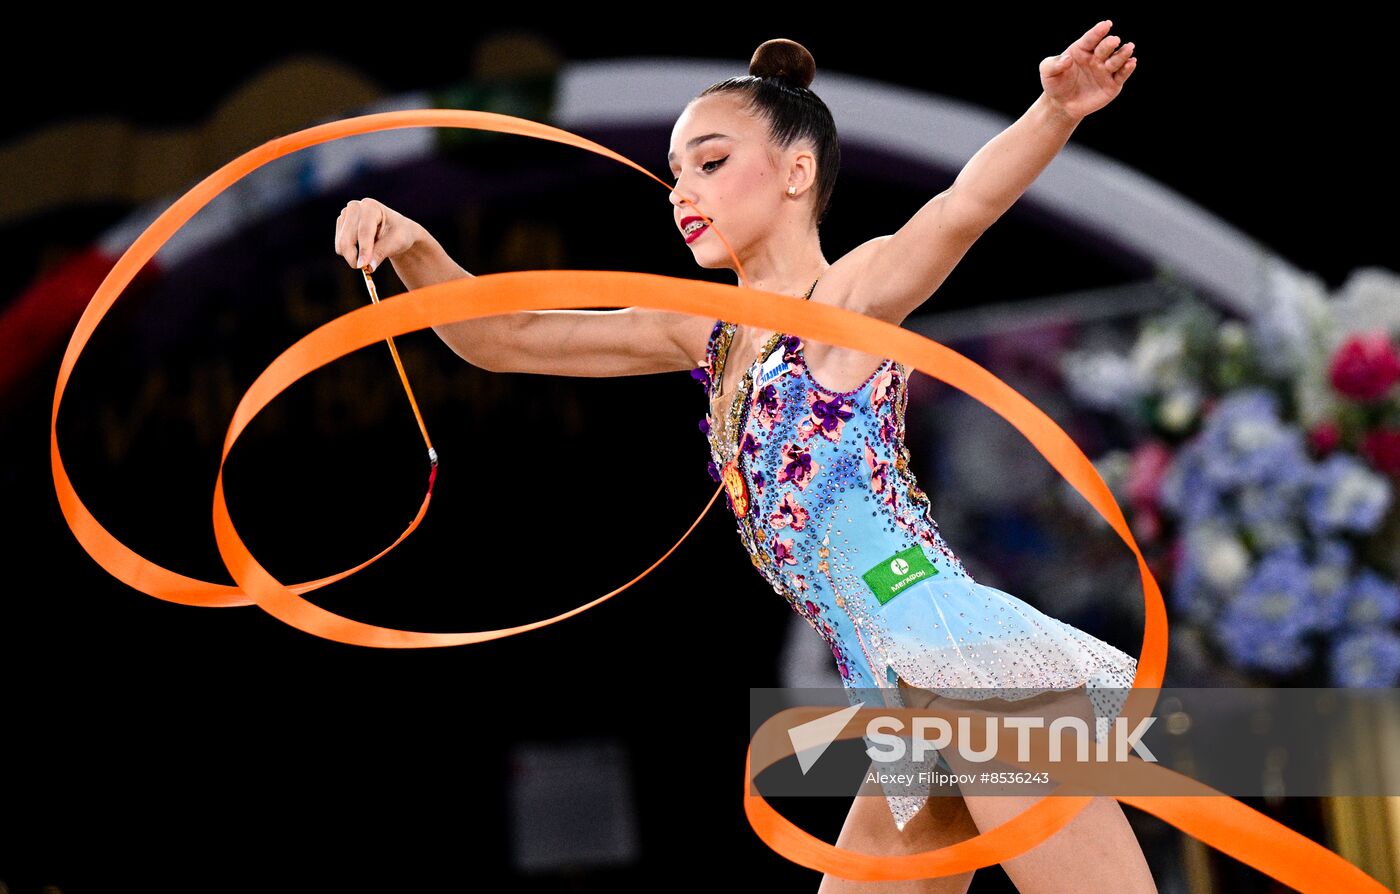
<point x="1381" y="447"/>
<point x="1365" y="366"/>
<point x="1146" y="467"/>
<point x="1324" y="438"/>
<point x="788" y="513"/>
<point x="883" y="388"/>
<point x="782" y="552"/>
<point x="1147" y="524"/>
<point x="879" y="476"/>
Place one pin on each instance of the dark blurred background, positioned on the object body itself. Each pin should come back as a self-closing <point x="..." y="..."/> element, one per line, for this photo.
<point x="155" y="747"/>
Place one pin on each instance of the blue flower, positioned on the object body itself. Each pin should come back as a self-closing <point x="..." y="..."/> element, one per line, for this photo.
<point x="1370" y="658"/>
<point x="1371" y="600"/>
<point x="1262" y="504"/>
<point x="1263" y="624"/>
<point x="1244" y="442"/>
<point x="1346" y="495"/>
<point x="1259" y="645"/>
<point x="1188" y="590"/>
<point x="1185" y="488"/>
<point x="1329" y="578"/>
<point x="1211" y="566"/>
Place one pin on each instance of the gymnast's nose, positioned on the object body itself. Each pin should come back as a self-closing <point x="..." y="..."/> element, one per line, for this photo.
<point x="679" y="198"/>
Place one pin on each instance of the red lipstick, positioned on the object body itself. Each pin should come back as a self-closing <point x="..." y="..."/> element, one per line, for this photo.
<point x="686" y="221"/>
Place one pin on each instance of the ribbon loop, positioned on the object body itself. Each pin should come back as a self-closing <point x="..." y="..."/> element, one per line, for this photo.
<point x="1219" y="821"/>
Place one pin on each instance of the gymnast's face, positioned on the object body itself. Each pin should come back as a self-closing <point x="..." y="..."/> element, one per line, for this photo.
<point x="733" y="178"/>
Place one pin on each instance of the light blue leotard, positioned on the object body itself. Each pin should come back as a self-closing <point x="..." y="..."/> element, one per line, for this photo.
<point x="832" y="517"/>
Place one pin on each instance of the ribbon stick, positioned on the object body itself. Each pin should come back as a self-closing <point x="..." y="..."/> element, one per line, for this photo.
<point x="1221" y="822"/>
<point x="403" y="377"/>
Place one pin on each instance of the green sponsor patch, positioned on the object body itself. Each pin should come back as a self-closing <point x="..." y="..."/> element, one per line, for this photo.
<point x="889" y="578"/>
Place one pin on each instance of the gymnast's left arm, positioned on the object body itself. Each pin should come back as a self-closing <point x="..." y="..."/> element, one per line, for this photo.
<point x="903" y="269"/>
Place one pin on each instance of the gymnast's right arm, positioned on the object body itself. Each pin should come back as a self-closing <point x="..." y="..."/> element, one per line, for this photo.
<point x="626" y="342"/>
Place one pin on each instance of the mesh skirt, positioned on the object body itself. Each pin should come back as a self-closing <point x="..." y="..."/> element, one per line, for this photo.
<point x="965" y="640"/>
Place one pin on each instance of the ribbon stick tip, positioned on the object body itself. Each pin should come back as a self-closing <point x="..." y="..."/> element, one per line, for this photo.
<point x="432" y="456"/>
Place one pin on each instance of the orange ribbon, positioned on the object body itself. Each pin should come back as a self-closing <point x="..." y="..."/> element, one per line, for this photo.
<point x="1219" y="821"/>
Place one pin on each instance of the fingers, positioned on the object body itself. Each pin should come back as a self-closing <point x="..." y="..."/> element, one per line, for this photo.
<point x="345" y="234"/>
<point x="1106" y="47"/>
<point x="1116" y="56"/>
<point x="371" y="217"/>
<point x="1092" y="37"/>
<point x="1124" y="70"/>
<point x="348" y="229"/>
<point x="1121" y="59"/>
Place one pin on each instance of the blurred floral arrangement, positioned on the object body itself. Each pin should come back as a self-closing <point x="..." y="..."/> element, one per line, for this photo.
<point x="1265" y="466"/>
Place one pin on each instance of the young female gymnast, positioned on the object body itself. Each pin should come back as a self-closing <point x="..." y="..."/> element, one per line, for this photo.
<point x="809" y="438"/>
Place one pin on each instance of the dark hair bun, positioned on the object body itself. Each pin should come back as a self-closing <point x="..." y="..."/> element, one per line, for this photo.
<point x="786" y="60"/>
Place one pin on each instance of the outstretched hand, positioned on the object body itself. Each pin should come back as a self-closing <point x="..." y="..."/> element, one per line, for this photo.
<point x="1088" y="75"/>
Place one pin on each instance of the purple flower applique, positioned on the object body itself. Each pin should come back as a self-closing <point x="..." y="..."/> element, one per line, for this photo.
<point x="713" y="470"/>
<point x="782" y="552"/>
<point x="705" y="425"/>
<point x="750" y="445"/>
<point x="701" y="374"/>
<point x="791" y="345"/>
<point x="840" y="656"/>
<point x="798" y="466"/>
<point x="767" y="405"/>
<point x="828" y="417"/>
<point x="887" y="430"/>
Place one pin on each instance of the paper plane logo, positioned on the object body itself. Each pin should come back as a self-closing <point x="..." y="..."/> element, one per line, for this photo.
<point x="810" y="740"/>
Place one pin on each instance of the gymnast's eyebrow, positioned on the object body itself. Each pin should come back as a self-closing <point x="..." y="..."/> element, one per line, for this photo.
<point x="671" y="156"/>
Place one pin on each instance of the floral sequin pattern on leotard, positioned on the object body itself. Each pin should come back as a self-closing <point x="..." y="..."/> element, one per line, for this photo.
<point x="798" y="446"/>
<point x="829" y="512"/>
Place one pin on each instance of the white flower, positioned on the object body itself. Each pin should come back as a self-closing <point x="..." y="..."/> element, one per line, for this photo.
<point x="1102" y="379"/>
<point x="1158" y="356"/>
<point x="1369" y="299"/>
<point x="1315" y="400"/>
<point x="1225" y="563"/>
<point x="1294" y="320"/>
<point x="1179" y="408"/>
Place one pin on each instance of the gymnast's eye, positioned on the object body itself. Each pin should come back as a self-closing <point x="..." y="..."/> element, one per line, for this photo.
<point x="705" y="167"/>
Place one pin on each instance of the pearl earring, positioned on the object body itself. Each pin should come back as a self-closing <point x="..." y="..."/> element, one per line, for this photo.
<point x="792" y="190"/>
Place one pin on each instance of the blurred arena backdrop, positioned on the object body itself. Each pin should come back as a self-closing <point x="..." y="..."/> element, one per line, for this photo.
<point x="1214" y="249"/>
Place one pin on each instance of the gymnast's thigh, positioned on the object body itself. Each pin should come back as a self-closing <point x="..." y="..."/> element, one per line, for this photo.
<point x="870" y="829"/>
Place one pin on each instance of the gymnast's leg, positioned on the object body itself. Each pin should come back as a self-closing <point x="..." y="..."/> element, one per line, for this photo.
<point x="1097" y="850"/>
<point x="870" y="829"/>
